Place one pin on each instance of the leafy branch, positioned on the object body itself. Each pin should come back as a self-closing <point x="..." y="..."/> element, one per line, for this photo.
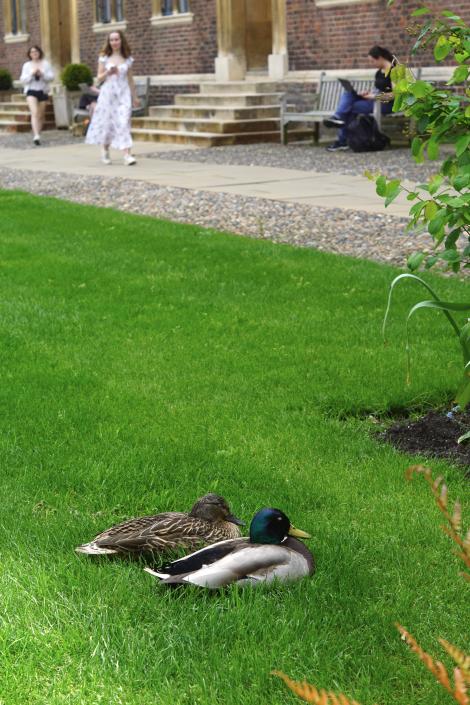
<point x="441" y="116"/>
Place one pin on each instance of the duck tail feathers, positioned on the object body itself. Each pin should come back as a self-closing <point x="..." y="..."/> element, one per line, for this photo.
<point x="92" y="549"/>
<point x="160" y="576"/>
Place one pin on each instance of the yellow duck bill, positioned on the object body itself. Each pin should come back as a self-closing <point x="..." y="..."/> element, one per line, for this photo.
<point x="298" y="533"/>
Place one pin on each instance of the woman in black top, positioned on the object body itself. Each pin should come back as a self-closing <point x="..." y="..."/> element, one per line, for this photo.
<point x="352" y="103"/>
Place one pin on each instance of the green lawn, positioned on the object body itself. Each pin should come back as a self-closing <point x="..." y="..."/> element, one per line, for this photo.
<point x="145" y="363"/>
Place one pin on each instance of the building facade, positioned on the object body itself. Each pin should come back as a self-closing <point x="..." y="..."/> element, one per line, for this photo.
<point x="181" y="42"/>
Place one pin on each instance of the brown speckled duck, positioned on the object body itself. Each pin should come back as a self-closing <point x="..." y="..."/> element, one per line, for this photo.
<point x="208" y="521"/>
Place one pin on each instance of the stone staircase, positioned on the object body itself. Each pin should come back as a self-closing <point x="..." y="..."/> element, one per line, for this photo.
<point x="15" y="117"/>
<point x="238" y="112"/>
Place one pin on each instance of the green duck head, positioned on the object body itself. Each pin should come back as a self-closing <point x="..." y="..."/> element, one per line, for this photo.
<point x="273" y="526"/>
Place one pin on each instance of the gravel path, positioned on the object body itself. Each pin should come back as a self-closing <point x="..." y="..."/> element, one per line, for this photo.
<point x="394" y="163"/>
<point x="49" y="138"/>
<point x="379" y="237"/>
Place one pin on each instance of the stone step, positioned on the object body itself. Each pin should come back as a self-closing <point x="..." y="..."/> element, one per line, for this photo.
<point x="220" y="112"/>
<point x="13" y="126"/>
<point x="14" y="116"/>
<point x="6" y="97"/>
<point x="209" y="126"/>
<point x="232" y="99"/>
<point x="22" y="109"/>
<point x="13" y="106"/>
<point x="213" y="87"/>
<point x="203" y="139"/>
<point x="21" y="115"/>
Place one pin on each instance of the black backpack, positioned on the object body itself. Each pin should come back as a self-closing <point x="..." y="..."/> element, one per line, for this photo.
<point x="363" y="135"/>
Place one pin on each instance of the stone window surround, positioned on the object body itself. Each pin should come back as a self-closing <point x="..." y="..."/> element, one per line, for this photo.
<point x="15" y="38"/>
<point x="113" y="26"/>
<point x="177" y="18"/>
<point x="21" y="35"/>
<point x="338" y="3"/>
<point x="107" y="27"/>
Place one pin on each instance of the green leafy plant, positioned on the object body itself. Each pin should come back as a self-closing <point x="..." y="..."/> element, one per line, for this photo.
<point x="441" y="114"/>
<point x="6" y="81"/>
<point x="74" y="74"/>
<point x="461" y="331"/>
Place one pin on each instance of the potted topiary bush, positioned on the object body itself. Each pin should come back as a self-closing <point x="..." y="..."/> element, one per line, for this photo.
<point x="6" y="81"/>
<point x="67" y="94"/>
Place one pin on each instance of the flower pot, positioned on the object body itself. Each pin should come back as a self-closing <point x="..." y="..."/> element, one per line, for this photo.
<point x="64" y="102"/>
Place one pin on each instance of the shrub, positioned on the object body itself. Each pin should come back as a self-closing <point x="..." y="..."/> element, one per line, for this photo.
<point x="74" y="74"/>
<point x="6" y="81"/>
<point x="442" y="116"/>
<point x="442" y="204"/>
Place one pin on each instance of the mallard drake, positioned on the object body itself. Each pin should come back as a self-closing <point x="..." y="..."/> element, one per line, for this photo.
<point x="269" y="553"/>
<point x="208" y="521"/>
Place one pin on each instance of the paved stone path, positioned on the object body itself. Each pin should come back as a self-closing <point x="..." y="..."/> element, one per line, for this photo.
<point x="337" y="212"/>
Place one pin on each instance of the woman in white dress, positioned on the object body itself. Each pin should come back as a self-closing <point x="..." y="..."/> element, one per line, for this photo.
<point x="110" y="125"/>
<point x="36" y="76"/>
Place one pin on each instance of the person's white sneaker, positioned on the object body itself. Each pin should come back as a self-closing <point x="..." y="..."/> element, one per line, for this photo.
<point x="129" y="160"/>
<point x="105" y="157"/>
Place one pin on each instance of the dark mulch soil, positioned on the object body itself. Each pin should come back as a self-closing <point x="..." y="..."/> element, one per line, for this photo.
<point x="434" y="434"/>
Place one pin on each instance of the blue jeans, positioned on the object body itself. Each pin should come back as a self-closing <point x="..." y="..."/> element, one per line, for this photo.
<point x="349" y="106"/>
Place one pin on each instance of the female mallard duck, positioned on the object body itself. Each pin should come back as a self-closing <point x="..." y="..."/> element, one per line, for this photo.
<point x="208" y="521"/>
<point x="268" y="554"/>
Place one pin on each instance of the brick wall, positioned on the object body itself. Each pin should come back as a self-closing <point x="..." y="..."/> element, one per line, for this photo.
<point x="165" y="94"/>
<point x="13" y="56"/>
<point x="340" y="37"/>
<point x="335" y="37"/>
<point x="190" y="48"/>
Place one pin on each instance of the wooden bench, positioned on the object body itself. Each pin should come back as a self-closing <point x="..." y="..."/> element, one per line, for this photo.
<point x="324" y="103"/>
<point x="142" y="87"/>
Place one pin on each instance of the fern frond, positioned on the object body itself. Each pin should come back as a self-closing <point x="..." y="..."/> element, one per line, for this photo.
<point x="310" y="694"/>
<point x="460" y="693"/>
<point x="459" y="689"/>
<point x="461" y="659"/>
<point x="454" y="520"/>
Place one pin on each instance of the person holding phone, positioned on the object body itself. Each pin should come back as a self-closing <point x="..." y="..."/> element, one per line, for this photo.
<point x="36" y="76"/>
<point x="110" y="124"/>
<point x="352" y="103"/>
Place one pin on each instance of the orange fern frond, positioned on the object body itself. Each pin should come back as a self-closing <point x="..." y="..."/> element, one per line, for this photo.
<point x="461" y="659"/>
<point x="460" y="694"/>
<point x="310" y="694"/>
<point x="459" y="689"/>
<point x="454" y="520"/>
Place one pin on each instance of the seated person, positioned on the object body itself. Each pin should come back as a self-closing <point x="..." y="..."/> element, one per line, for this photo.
<point x="352" y="103"/>
<point x="89" y="99"/>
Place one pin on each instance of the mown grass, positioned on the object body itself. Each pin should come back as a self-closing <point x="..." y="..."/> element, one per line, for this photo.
<point x="145" y="363"/>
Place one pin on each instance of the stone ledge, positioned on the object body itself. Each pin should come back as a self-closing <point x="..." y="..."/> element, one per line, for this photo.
<point x="102" y="27"/>
<point x="15" y="38"/>
<point x="171" y="20"/>
<point x="338" y="3"/>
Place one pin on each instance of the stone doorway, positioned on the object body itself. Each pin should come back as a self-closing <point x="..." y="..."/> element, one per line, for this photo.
<point x="251" y="36"/>
<point x="258" y="34"/>
<point x="59" y="31"/>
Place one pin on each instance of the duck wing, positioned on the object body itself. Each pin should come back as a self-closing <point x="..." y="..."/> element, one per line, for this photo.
<point x="205" y="556"/>
<point x="161" y="532"/>
<point x="244" y="563"/>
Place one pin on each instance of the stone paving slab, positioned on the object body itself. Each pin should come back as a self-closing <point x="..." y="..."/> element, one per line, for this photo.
<point x="329" y="190"/>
